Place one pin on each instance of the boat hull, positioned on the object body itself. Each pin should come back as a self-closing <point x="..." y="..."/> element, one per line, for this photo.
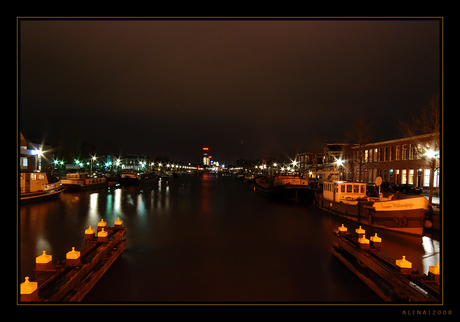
<point x="398" y="219"/>
<point x="74" y="187"/>
<point x="41" y="195"/>
<point x="147" y="177"/>
<point x="286" y="192"/>
<point x="128" y="181"/>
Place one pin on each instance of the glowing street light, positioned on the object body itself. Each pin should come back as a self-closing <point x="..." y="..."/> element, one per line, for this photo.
<point x="37" y="152"/>
<point x="430" y="154"/>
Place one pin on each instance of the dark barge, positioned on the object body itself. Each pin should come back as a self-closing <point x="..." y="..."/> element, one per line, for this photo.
<point x="285" y="187"/>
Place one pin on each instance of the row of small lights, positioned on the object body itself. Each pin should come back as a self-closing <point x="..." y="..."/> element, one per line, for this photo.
<point x="142" y="163"/>
<point x="264" y="166"/>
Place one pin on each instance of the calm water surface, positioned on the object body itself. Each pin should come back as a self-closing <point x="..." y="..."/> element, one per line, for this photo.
<point x="208" y="239"/>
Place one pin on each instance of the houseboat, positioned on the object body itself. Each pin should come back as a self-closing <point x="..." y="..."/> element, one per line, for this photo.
<point x="36" y="186"/>
<point x="129" y="177"/>
<point x="285" y="187"/>
<point x="80" y="181"/>
<point x="147" y="177"/>
<point x="134" y="177"/>
<point x="349" y="200"/>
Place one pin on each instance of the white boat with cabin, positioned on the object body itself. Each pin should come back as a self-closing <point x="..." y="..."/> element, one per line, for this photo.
<point x="350" y="200"/>
<point x="37" y="186"/>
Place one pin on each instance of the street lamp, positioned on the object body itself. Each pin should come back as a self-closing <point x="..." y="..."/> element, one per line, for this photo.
<point x="431" y="156"/>
<point x="92" y="159"/>
<point x="339" y="163"/>
<point x="38" y="154"/>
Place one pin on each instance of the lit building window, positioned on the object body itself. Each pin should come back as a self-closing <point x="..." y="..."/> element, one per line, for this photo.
<point x="426" y="177"/>
<point x="411" y="176"/>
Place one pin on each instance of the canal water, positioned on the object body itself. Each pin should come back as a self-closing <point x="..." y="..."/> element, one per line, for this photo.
<point x="208" y="238"/>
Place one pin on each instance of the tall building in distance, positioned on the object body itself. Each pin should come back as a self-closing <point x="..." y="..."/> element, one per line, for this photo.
<point x="206" y="156"/>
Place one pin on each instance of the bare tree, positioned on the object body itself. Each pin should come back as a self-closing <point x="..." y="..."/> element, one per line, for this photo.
<point x="361" y="133"/>
<point x="428" y="121"/>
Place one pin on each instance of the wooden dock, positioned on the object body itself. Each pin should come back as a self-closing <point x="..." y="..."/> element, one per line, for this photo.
<point x="72" y="279"/>
<point x="382" y="274"/>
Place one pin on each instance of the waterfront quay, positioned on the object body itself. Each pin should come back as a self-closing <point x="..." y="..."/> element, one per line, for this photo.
<point x="209" y="238"/>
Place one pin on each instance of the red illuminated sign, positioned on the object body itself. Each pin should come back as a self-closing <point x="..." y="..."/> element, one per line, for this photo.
<point x="210" y="157"/>
<point x="205" y="149"/>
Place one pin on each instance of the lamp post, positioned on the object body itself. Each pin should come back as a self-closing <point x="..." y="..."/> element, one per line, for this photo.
<point x="339" y="163"/>
<point x="92" y="159"/>
<point x="431" y="157"/>
<point x="38" y="154"/>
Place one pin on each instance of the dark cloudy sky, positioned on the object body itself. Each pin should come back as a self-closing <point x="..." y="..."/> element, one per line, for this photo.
<point x="170" y="87"/>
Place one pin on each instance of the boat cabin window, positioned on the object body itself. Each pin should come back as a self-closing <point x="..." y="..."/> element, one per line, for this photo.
<point x="363" y="190"/>
<point x="342" y="188"/>
<point x="349" y="187"/>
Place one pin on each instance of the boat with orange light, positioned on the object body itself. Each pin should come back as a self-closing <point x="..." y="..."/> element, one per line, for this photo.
<point x="36" y="186"/>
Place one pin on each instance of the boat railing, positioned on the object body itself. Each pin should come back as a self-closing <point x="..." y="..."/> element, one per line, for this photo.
<point x="292" y="181"/>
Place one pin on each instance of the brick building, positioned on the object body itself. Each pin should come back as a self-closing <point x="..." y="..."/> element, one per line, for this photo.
<point x="407" y="160"/>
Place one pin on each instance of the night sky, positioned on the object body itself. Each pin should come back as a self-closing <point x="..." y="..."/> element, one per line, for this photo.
<point x="170" y="87"/>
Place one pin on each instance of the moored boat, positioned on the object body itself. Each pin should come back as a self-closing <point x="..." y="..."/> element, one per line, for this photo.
<point x="166" y="175"/>
<point x="129" y="177"/>
<point x="37" y="186"/>
<point x="80" y="181"/>
<point x="285" y="187"/>
<point x="349" y="200"/>
<point x="147" y="177"/>
<point x="133" y="177"/>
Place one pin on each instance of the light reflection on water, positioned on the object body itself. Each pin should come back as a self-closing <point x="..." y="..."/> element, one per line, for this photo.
<point x="208" y="239"/>
<point x="432" y="255"/>
<point x="93" y="211"/>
